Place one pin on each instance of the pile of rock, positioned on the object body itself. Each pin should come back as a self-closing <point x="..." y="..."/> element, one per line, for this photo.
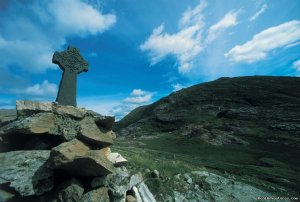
<point x="52" y="152"/>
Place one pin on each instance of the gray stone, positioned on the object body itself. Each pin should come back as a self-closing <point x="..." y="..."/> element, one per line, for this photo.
<point x="145" y="193"/>
<point x="97" y="195"/>
<point x="77" y="159"/>
<point x="26" y="171"/>
<point x="188" y="178"/>
<point x="70" y="191"/>
<point x="71" y="63"/>
<point x="117" y="182"/>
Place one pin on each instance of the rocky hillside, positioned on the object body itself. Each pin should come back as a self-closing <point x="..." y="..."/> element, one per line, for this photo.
<point x="248" y="126"/>
<point x="231" y="107"/>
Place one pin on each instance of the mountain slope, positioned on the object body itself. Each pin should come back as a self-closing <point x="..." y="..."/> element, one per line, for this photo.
<point x="247" y="126"/>
<point x="268" y="103"/>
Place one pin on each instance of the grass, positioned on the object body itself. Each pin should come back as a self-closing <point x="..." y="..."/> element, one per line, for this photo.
<point x="268" y="169"/>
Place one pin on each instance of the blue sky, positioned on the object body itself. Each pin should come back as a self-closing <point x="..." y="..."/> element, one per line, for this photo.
<point x="139" y="51"/>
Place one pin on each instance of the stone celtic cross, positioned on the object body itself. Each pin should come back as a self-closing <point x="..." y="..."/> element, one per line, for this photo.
<point x="71" y="63"/>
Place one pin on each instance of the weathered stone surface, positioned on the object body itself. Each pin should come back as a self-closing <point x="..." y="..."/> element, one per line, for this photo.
<point x="26" y="171"/>
<point x="71" y="111"/>
<point x="37" y="124"/>
<point x="90" y="133"/>
<point x="77" y="158"/>
<point x="145" y="193"/>
<point x="27" y="107"/>
<point x="71" y="63"/>
<point x="70" y="191"/>
<point x="117" y="182"/>
<point x="100" y="194"/>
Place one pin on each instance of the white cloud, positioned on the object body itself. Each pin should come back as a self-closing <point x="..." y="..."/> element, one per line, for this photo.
<point x="296" y="65"/>
<point x="258" y="13"/>
<point x="185" y="45"/>
<point x="177" y="87"/>
<point x="137" y="92"/>
<point x="79" y="17"/>
<point x="43" y="90"/>
<point x="41" y="27"/>
<point x="229" y="20"/>
<point x="138" y="96"/>
<point x="262" y="43"/>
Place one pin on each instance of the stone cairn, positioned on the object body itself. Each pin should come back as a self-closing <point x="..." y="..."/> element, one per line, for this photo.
<point x="53" y="152"/>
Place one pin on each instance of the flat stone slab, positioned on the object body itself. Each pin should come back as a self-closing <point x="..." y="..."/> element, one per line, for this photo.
<point x="26" y="171"/>
<point x="27" y="107"/>
<point x="77" y="159"/>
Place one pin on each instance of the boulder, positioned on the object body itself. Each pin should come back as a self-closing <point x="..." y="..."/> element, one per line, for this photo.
<point x="77" y="159"/>
<point x="100" y="194"/>
<point x="90" y="133"/>
<point x="26" y="171"/>
<point x="71" y="190"/>
<point x="145" y="193"/>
